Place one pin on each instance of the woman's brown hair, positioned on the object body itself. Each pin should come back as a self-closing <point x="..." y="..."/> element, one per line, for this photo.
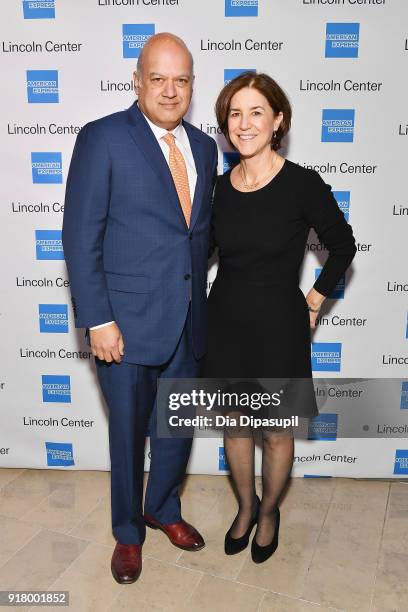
<point x="269" y="88"/>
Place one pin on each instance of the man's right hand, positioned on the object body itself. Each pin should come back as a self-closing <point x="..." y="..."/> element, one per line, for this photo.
<point x="107" y="343"/>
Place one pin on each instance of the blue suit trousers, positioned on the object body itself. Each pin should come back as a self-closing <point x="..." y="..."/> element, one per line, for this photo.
<point x="130" y="393"/>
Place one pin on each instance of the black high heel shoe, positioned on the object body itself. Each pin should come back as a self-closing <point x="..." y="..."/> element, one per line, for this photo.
<point x="232" y="546"/>
<point x="260" y="554"/>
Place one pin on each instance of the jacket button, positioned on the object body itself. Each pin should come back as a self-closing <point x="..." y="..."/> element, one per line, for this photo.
<point x="187" y="276"/>
<point x="190" y="237"/>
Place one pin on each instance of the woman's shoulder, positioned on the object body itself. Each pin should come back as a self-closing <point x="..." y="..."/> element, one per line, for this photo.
<point x="304" y="178"/>
<point x="298" y="171"/>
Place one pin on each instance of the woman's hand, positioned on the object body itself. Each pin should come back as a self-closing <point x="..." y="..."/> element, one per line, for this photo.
<point x="314" y="300"/>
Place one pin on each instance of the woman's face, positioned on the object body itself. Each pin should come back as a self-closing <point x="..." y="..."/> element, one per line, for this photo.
<point x="251" y="122"/>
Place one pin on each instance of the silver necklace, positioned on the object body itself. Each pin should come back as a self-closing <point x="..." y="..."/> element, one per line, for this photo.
<point x="254" y="185"/>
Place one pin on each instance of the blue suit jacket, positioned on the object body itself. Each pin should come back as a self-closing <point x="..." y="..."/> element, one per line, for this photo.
<point x="129" y="253"/>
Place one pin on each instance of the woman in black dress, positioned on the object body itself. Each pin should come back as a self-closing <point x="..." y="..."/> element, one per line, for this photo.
<point x="259" y="319"/>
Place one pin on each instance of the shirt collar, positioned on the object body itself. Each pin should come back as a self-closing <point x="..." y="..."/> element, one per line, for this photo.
<point x="159" y="132"/>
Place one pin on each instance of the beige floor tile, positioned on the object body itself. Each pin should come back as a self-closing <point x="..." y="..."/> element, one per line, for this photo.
<point x="199" y="496"/>
<point x="391" y="592"/>
<point x="219" y="595"/>
<point x="161" y="586"/>
<point x="26" y="491"/>
<point x="329" y="556"/>
<point x="13" y="535"/>
<point x="95" y="480"/>
<point x="395" y="536"/>
<point x="279" y="603"/>
<point x="89" y="581"/>
<point x="212" y="559"/>
<point x="391" y="585"/>
<point x="286" y="570"/>
<point x="8" y="474"/>
<point x="69" y="503"/>
<point x="207" y="482"/>
<point x="312" y="506"/>
<point x="303" y="510"/>
<point x="309" y="493"/>
<point x="96" y="525"/>
<point x="343" y="568"/>
<point x="398" y="500"/>
<point x="306" y="497"/>
<point x="41" y="561"/>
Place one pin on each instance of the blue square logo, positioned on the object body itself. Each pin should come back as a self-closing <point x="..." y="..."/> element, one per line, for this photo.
<point x="343" y="201"/>
<point x="241" y="8"/>
<point x="326" y="356"/>
<point x="338" y="291"/>
<point x="401" y="461"/>
<point x="338" y="125"/>
<point x="53" y="318"/>
<point x="404" y="395"/>
<point x="46" y="168"/>
<point x="39" y="9"/>
<point x="232" y="73"/>
<point x="59" y="453"/>
<point x="342" y="39"/>
<point x="134" y="36"/>
<point x="222" y="460"/>
<point x="42" y="86"/>
<point x="56" y="389"/>
<point x="323" y="427"/>
<point x="48" y="244"/>
<point x="230" y="159"/>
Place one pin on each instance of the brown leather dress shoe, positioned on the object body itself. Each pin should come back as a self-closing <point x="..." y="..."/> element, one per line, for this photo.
<point x="126" y="563"/>
<point x="181" y="534"/>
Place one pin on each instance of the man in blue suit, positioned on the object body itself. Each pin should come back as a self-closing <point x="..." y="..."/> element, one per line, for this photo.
<point x="135" y="238"/>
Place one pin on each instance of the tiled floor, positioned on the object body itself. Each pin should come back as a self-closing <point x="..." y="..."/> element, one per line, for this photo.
<point x="343" y="546"/>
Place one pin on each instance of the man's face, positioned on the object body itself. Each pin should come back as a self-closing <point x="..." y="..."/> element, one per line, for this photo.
<point x="165" y="86"/>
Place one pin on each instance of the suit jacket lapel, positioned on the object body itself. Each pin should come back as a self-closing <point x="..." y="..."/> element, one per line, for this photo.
<point x="144" y="138"/>
<point x="198" y="160"/>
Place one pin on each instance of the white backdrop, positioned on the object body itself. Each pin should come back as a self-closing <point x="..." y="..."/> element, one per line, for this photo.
<point x="51" y="413"/>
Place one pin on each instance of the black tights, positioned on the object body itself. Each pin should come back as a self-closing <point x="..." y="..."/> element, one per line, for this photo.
<point x="277" y="461"/>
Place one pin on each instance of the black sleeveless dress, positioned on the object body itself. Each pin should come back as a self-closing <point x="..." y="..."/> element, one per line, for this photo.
<point x="258" y="325"/>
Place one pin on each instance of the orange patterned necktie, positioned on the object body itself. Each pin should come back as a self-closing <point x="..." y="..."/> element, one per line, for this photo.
<point x="178" y="171"/>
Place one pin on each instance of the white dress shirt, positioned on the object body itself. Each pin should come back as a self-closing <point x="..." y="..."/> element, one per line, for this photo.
<point x="183" y="143"/>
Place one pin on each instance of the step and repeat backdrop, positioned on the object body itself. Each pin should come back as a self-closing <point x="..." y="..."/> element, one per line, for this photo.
<point x="343" y="64"/>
